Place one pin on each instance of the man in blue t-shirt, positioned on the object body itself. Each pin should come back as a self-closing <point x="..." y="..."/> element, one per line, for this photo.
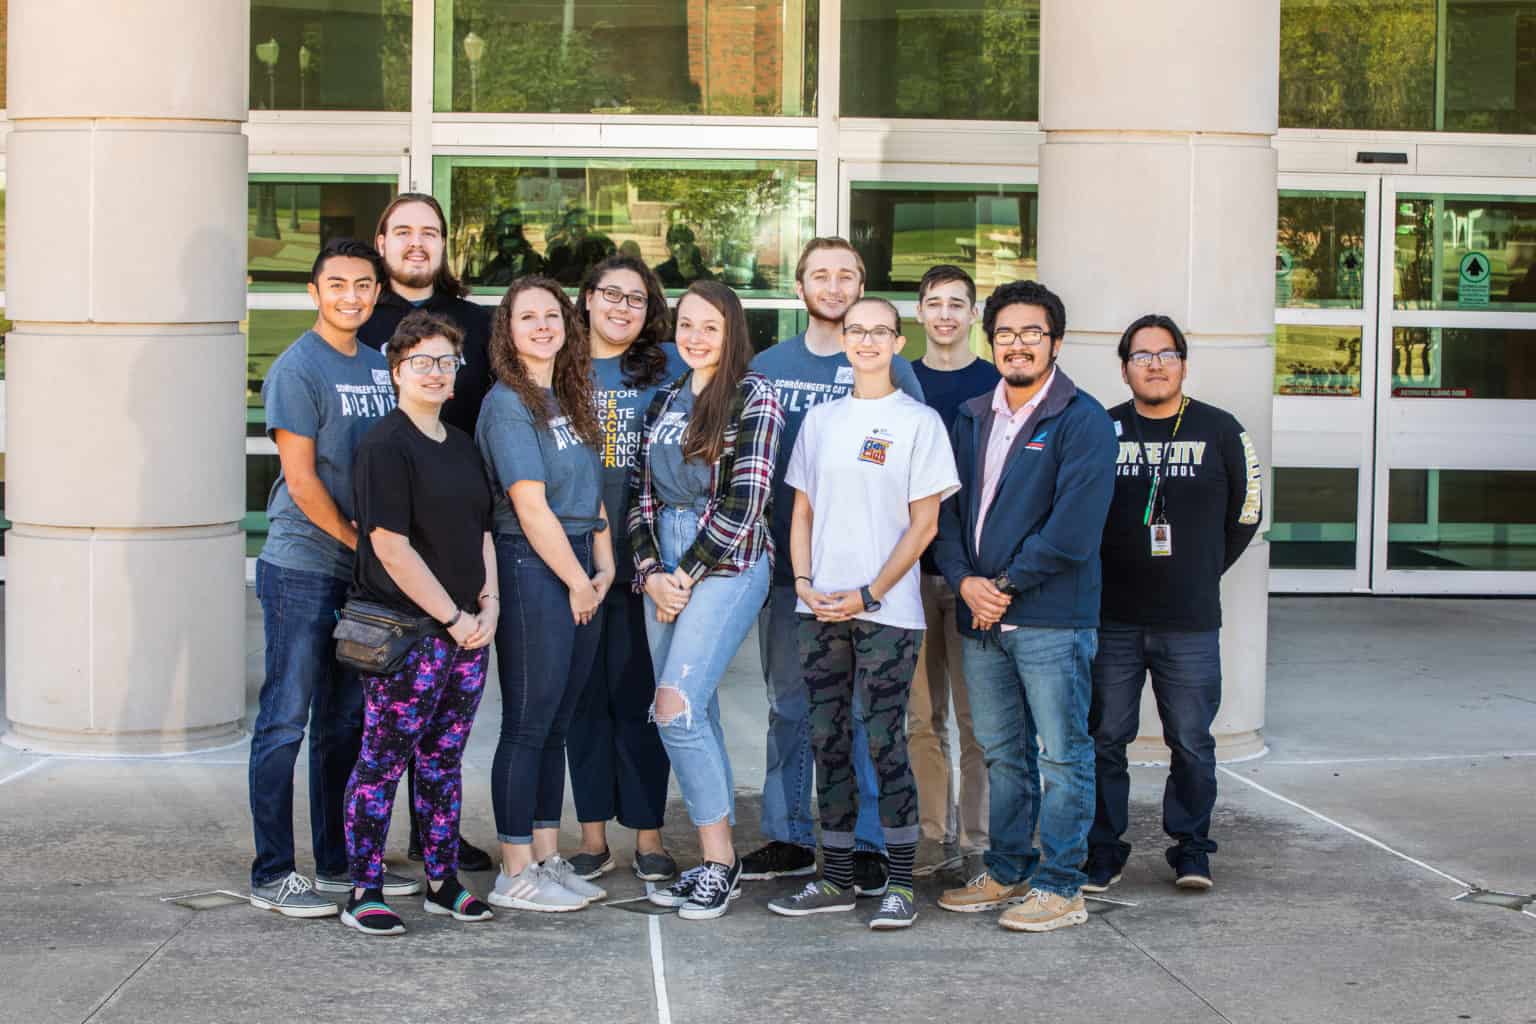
<point x="322" y="395"/>
<point x="953" y="817"/>
<point x="807" y="370"/>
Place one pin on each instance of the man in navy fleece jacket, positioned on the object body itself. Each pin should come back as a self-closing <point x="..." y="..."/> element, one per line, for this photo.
<point x="1020" y="546"/>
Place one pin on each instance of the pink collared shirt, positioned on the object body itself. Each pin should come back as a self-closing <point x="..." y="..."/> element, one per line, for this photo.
<point x="1006" y="425"/>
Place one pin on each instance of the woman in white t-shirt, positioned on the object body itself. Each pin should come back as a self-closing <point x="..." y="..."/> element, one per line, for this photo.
<point x="869" y="472"/>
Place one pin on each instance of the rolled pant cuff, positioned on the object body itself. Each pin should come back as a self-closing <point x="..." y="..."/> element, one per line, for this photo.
<point x="837" y="840"/>
<point x="1001" y="870"/>
<point x="903" y="835"/>
<point x="1066" y="894"/>
<point x="514" y="840"/>
<point x="546" y="824"/>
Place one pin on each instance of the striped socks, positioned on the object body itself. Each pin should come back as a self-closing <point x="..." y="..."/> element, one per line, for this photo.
<point x="837" y="866"/>
<point x="901" y="856"/>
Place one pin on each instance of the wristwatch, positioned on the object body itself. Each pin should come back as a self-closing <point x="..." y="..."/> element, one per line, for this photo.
<point x="1003" y="583"/>
<point x="870" y="604"/>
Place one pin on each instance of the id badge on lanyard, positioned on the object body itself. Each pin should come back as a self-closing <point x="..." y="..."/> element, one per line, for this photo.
<point x="1155" y="519"/>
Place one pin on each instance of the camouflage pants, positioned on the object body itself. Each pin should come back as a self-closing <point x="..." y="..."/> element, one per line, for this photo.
<point x="877" y="661"/>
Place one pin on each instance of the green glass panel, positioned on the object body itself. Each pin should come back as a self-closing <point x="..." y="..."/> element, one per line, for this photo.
<point x="1461" y="519"/>
<point x="268" y="333"/>
<point x="740" y="221"/>
<point x="1315" y="518"/>
<point x="1320" y="251"/>
<point x="726" y="57"/>
<point x="952" y="59"/>
<point x="330" y="55"/>
<point x="1317" y="360"/>
<point x="1490" y="66"/>
<point x="290" y="217"/>
<point x="902" y="229"/>
<point x="260" y="474"/>
<point x="1359" y="64"/>
<point x="1456" y="362"/>
<point x="1465" y="252"/>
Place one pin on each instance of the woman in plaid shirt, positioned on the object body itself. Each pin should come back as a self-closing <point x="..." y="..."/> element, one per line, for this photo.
<point x="699" y="530"/>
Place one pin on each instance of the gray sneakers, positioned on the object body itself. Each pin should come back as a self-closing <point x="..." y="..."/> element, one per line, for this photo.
<point x="393" y="884"/>
<point x="897" y="910"/>
<point x="563" y="872"/>
<point x="818" y="897"/>
<point x="533" y="889"/>
<point x="292" y="896"/>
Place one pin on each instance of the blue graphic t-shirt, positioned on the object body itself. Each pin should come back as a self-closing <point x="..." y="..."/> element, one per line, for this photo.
<point x="803" y="380"/>
<point x="314" y="391"/>
<point x="517" y="450"/>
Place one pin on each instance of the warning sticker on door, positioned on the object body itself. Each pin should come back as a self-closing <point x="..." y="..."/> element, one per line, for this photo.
<point x="1472" y="280"/>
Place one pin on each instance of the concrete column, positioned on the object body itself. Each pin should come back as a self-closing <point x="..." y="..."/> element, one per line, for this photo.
<point x="126" y="207"/>
<point x="1157" y="194"/>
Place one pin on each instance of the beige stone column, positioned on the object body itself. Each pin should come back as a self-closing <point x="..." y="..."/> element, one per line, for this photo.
<point x="126" y="204"/>
<point x="1157" y="194"/>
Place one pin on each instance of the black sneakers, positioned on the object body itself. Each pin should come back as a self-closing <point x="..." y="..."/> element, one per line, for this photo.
<point x="777" y="860"/>
<point x="1102" y="872"/>
<point x="870" y="874"/>
<point x="453" y="900"/>
<point x="370" y="915"/>
<point x="1191" y="870"/>
<point x="713" y="888"/>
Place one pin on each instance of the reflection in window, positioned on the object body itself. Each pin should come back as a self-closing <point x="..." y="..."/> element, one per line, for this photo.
<point x="1477" y="519"/>
<point x="1317" y="360"/>
<point x="1455" y="362"/>
<point x="290" y="217"/>
<point x="901" y="229"/>
<point x="1465" y="252"/>
<point x="260" y="475"/>
<point x="740" y="221"/>
<point x="1320" y="250"/>
<point x="330" y="55"/>
<point x="962" y="59"/>
<point x="1315" y="518"/>
<point x="1357" y="64"/>
<point x="770" y="326"/>
<point x="268" y="332"/>
<point x="727" y="57"/>
<point x="1490" y="58"/>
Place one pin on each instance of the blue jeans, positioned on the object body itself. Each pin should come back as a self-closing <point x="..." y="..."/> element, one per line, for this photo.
<point x="304" y="684"/>
<point x="618" y="766"/>
<point x="789" y="814"/>
<point x="690" y="656"/>
<point x="1025" y="683"/>
<point x="543" y="659"/>
<point x="1186" y="682"/>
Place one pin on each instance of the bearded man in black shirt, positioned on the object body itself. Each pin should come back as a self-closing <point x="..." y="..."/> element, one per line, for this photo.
<point x="1187" y="503"/>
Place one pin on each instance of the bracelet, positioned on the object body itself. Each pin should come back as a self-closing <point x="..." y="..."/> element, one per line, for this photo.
<point x="488" y="596"/>
<point x="806" y="578"/>
<point x="458" y="613"/>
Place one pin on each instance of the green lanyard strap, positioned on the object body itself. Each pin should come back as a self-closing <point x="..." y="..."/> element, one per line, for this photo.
<point x="1155" y="471"/>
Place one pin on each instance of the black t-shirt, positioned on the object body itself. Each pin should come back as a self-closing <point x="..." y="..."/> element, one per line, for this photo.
<point x="1210" y="496"/>
<point x="943" y="391"/>
<point x="433" y="493"/>
<point x="474" y="378"/>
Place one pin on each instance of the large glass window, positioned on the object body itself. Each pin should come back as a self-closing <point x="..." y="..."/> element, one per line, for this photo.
<point x="1315" y="518"/>
<point x="291" y="216"/>
<point x="1317" y="360"/>
<point x="903" y="228"/>
<point x="1477" y="519"/>
<point x="1490" y="66"/>
<point x="1465" y="252"/>
<point x="954" y="59"/>
<point x="739" y="221"/>
<point x="330" y="54"/>
<point x="727" y="57"/>
<point x="1320" y="249"/>
<point x="1453" y="362"/>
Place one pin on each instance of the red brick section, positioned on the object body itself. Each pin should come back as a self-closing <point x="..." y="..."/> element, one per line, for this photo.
<point x="741" y="42"/>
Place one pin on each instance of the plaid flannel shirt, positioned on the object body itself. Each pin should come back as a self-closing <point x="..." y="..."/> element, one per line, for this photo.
<point x="733" y="531"/>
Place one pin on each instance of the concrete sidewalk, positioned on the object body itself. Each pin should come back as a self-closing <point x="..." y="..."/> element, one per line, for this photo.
<point x="1401" y="772"/>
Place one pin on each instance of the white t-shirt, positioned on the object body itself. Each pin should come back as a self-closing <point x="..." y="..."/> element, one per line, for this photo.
<point x="860" y="461"/>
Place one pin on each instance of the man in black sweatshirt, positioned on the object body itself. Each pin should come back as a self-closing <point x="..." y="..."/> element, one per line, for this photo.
<point x="1187" y="503"/>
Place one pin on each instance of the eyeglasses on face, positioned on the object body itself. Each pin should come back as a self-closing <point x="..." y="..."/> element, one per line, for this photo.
<point x="1143" y="360"/>
<point x="881" y="334"/>
<point x="422" y="365"/>
<point x="1029" y="337"/>
<point x="616" y="295"/>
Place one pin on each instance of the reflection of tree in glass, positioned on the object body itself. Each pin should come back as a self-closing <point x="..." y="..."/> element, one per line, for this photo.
<point x="534" y="67"/>
<point x="725" y="207"/>
<point x="945" y="67"/>
<point x="1316" y="230"/>
<point x="513" y="255"/>
<point x="1357" y="64"/>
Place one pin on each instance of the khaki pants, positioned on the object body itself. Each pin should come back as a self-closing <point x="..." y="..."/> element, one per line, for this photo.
<point x="939" y="677"/>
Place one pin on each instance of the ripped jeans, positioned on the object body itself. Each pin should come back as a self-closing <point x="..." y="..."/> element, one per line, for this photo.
<point x="690" y="656"/>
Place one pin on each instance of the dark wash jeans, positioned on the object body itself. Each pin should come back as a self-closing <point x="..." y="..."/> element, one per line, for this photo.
<point x="304" y="683"/>
<point x="1186" y="682"/>
<point x="543" y="659"/>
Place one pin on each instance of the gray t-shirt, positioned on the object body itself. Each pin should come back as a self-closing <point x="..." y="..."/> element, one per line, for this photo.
<point x="803" y="380"/>
<point x="683" y="483"/>
<point x="314" y="391"/>
<point x="516" y="450"/>
<point x="621" y="413"/>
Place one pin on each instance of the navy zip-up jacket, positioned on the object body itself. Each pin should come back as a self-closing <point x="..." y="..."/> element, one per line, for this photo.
<point x="1047" y="516"/>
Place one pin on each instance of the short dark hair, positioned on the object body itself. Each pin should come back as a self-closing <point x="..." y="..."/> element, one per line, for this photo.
<point x="879" y="301"/>
<point x="350" y="248"/>
<point x="944" y="273"/>
<point x="1153" y="320"/>
<point x="1025" y="293"/>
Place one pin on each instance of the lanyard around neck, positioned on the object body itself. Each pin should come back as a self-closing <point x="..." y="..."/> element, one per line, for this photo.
<point x="1155" y="471"/>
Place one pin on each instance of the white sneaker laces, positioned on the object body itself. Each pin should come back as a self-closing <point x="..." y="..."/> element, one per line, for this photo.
<point x="712" y="881"/>
<point x="894" y="902"/>
<point x="294" y="885"/>
<point x="979" y="882"/>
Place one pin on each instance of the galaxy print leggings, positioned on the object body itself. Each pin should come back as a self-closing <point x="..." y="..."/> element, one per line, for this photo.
<point x="427" y="708"/>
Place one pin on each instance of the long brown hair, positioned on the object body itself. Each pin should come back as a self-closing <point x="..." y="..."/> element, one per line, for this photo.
<point x="643" y="362"/>
<point x="573" y="363"/>
<point x="443" y="282"/>
<point x="712" y="409"/>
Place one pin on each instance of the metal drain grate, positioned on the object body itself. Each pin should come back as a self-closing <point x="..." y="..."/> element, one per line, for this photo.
<point x="206" y="900"/>
<point x="1493" y="898"/>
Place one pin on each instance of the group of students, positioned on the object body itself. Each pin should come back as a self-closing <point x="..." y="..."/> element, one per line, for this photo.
<point x="614" y="495"/>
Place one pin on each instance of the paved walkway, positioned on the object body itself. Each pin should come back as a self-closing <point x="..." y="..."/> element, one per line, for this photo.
<point x="1403" y="759"/>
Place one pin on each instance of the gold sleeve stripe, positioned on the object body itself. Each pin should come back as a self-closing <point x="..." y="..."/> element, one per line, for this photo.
<point x="1253" y="501"/>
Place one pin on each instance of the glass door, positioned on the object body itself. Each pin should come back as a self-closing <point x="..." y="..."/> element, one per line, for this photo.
<point x="1455" y="473"/>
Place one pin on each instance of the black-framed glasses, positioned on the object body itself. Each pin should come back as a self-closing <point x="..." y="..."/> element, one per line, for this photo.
<point x="1143" y="360"/>
<point x="880" y="334"/>
<point x="423" y="365"/>
<point x="1026" y="336"/>
<point x="616" y="295"/>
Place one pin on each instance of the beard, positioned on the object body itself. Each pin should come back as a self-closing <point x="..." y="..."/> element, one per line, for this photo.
<point x="411" y="277"/>
<point x="1033" y="375"/>
<point x="822" y="311"/>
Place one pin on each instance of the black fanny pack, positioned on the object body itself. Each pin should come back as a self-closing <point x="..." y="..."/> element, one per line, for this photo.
<point x="376" y="638"/>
